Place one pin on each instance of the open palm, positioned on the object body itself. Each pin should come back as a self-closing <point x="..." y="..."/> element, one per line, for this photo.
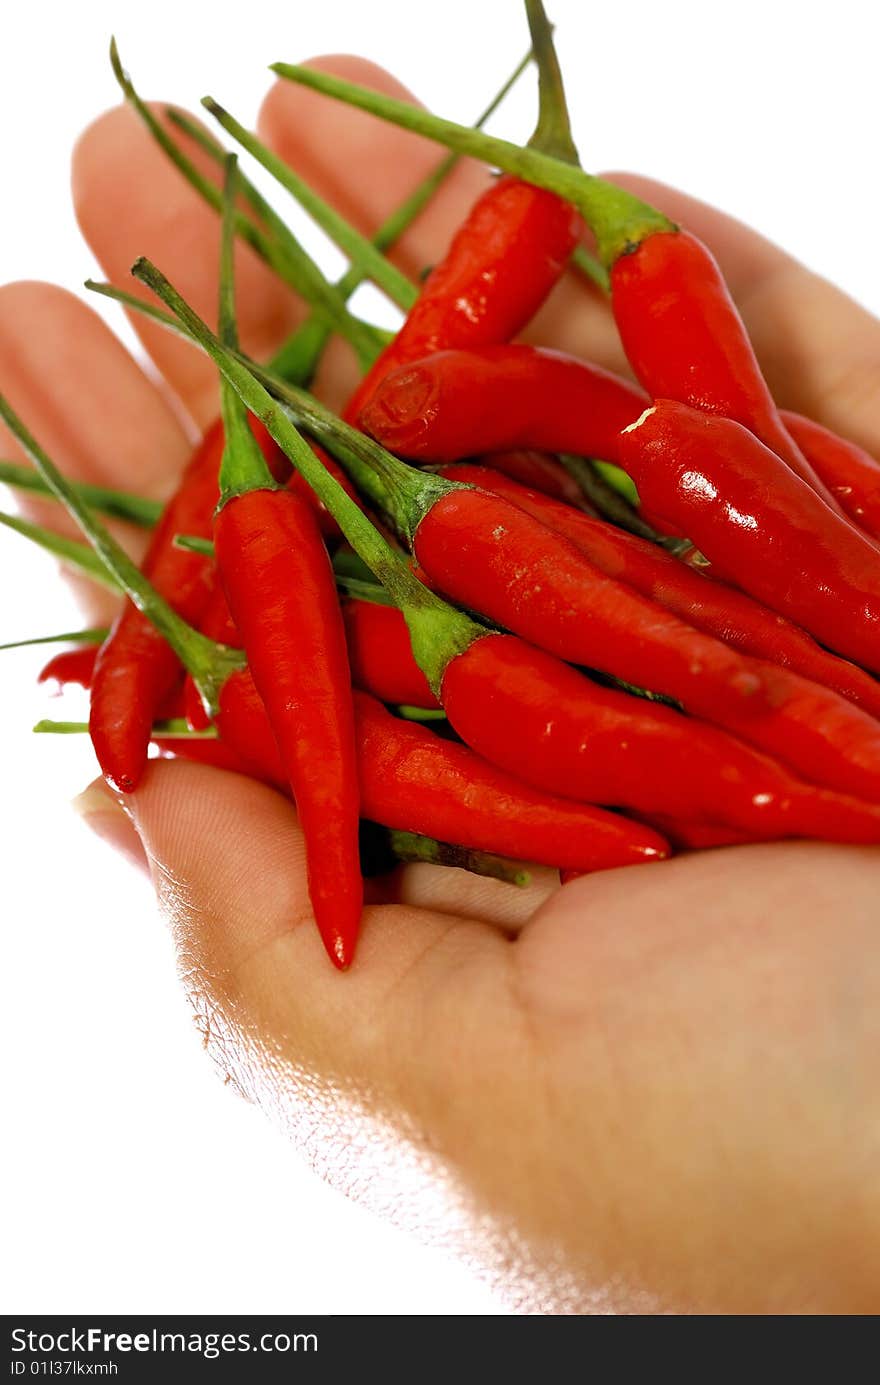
<point x="652" y="1091"/>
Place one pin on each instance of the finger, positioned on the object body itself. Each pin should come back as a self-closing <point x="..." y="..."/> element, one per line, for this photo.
<point x="375" y="165"/>
<point x="131" y="201"/>
<point x="819" y="350"/>
<point x="88" y="404"/>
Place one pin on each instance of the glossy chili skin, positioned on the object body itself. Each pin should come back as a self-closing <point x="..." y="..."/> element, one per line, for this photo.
<point x="502" y="263"/>
<point x="850" y="473"/>
<point x="728" y="614"/>
<point x="71" y="666"/>
<point x="381" y="657"/>
<point x="281" y="592"/>
<point x="777" y="541"/>
<point x="411" y="779"/>
<point x="490" y="556"/>
<point x="136" y="667"/>
<point x="538" y="718"/>
<point x="455" y="404"/>
<point x="685" y="340"/>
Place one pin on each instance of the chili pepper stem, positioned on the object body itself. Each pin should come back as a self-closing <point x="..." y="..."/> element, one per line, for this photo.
<point x="426" y="614"/>
<point x="383" y="273"/>
<point x="209" y="663"/>
<point x="281" y="250"/>
<point x="137" y="509"/>
<point x="78" y="555"/>
<point x="177" y="728"/>
<point x="298" y="358"/>
<point x="619" y="220"/>
<point x="94" y="635"/>
<point x="553" y="131"/>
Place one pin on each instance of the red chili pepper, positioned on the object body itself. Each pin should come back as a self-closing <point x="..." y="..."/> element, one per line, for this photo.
<point x="489" y="556"/>
<point x="543" y="721"/>
<point x="136" y="668"/>
<point x="413" y="780"/>
<point x="501" y="265"/>
<point x="685" y="340"/>
<point x="453" y="404"/>
<point x="282" y="596"/>
<point x="381" y="657"/>
<point x="781" y="544"/>
<point x="71" y="666"/>
<point x="719" y="610"/>
<point x="849" y="472"/>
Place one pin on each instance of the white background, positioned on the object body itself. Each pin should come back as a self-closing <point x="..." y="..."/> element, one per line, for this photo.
<point x="134" y="1181"/>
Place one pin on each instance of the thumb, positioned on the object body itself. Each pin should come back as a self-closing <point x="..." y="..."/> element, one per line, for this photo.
<point x="377" y="1048"/>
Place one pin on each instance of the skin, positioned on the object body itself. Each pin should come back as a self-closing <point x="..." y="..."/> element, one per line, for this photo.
<point x="652" y="1091"/>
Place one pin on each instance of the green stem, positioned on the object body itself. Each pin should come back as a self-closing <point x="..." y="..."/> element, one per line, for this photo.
<point x="243" y="467"/>
<point x="94" y="635"/>
<point x="281" y="250"/>
<point x="590" y="268"/>
<point x="137" y="509"/>
<point x="402" y="492"/>
<point x="553" y="131"/>
<point x="298" y="358"/>
<point x="407" y="713"/>
<point x="191" y="543"/>
<point x="358" y="249"/>
<point x="78" y="555"/>
<point x="608" y="500"/>
<point x="437" y="631"/>
<point x="618" y="479"/>
<point x="209" y="663"/>
<point x="174" y="729"/>
<point x="619" y="220"/>
<point x="411" y="847"/>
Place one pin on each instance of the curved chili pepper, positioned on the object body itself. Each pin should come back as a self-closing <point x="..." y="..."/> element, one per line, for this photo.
<point x="685" y="340"/>
<point x="489" y="556"/>
<point x="849" y="472"/>
<point x="543" y="721"/>
<point x="453" y="404"/>
<point x="135" y="668"/>
<point x="71" y="666"/>
<point x="502" y="263"/>
<point x="781" y="544"/>
<point x="719" y="610"/>
<point x="411" y="779"/>
<point x="281" y="593"/>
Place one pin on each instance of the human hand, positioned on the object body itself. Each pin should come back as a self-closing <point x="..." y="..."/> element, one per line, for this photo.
<point x="659" y="1095"/>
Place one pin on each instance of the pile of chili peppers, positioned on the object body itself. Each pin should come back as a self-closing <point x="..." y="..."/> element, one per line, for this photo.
<point x="617" y="618"/>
